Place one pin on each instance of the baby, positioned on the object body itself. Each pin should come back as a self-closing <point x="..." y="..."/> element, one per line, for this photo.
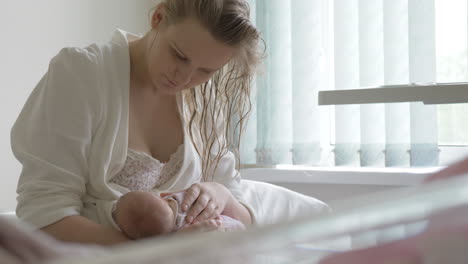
<point x="144" y="214"/>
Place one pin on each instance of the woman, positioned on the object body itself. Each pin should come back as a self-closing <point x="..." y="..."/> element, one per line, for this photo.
<point x="141" y="114"/>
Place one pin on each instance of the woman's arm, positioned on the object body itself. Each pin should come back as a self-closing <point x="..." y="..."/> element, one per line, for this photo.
<point x="237" y="210"/>
<point x="79" y="229"/>
<point x="52" y="138"/>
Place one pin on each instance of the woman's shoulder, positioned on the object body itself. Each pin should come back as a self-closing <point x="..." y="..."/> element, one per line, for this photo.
<point x="105" y="54"/>
<point x="75" y="57"/>
<point x="73" y="72"/>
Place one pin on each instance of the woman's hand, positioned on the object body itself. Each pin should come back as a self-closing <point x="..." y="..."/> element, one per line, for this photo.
<point x="203" y="226"/>
<point x="205" y="201"/>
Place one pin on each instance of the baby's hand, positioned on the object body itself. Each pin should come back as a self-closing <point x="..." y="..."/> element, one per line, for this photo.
<point x="203" y="226"/>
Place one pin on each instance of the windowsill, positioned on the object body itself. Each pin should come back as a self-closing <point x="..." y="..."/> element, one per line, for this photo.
<point x="433" y="93"/>
<point x="339" y="175"/>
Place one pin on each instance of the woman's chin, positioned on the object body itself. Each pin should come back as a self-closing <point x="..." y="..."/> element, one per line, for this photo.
<point x="171" y="90"/>
<point x="166" y="89"/>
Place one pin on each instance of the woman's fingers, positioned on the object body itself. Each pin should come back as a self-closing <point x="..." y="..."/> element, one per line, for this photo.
<point x="209" y="212"/>
<point x="204" y="201"/>
<point x="191" y="194"/>
<point x="200" y="205"/>
<point x="203" y="226"/>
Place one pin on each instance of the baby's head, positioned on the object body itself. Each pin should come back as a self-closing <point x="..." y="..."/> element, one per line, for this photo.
<point x="160" y="216"/>
<point x="143" y="214"/>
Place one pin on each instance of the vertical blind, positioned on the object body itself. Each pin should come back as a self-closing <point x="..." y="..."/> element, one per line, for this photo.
<point x="343" y="44"/>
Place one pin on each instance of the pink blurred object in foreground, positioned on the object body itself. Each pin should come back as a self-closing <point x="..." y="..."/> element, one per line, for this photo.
<point x="21" y="244"/>
<point x="444" y="240"/>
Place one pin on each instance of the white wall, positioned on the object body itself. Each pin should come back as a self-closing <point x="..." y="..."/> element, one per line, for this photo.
<point x="31" y="33"/>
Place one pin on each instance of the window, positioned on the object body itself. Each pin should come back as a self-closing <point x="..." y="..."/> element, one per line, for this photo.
<point x="349" y="44"/>
<point x="452" y="59"/>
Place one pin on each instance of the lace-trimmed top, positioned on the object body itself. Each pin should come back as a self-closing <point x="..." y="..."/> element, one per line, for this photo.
<point x="142" y="172"/>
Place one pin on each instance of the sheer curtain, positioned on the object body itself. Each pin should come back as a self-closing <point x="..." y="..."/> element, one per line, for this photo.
<point x="285" y="126"/>
<point x="343" y="44"/>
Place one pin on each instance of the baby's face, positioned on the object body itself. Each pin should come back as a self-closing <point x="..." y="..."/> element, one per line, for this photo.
<point x="162" y="216"/>
<point x="170" y="210"/>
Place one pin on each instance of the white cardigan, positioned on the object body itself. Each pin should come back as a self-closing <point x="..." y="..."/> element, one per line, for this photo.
<point x="72" y="138"/>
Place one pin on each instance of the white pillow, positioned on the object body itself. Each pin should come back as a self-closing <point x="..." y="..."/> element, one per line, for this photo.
<point x="272" y="204"/>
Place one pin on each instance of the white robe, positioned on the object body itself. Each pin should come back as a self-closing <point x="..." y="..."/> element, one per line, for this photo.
<point x="72" y="138"/>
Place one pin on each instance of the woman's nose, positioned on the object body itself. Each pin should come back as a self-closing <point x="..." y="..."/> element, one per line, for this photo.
<point x="183" y="74"/>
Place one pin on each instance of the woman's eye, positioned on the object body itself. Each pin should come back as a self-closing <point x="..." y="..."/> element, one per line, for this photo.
<point x="178" y="56"/>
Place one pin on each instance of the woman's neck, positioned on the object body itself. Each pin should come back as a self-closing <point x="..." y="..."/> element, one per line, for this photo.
<point x="139" y="76"/>
<point x="139" y="72"/>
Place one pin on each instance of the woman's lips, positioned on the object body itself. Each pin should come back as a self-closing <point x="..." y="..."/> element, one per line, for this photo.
<point x="171" y="83"/>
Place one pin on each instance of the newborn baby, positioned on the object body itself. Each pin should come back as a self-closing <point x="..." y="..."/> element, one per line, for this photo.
<point x="144" y="214"/>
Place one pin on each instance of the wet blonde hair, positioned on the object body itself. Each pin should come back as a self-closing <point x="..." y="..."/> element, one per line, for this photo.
<point x="227" y="95"/>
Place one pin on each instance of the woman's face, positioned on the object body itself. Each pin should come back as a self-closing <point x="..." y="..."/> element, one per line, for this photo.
<point x="183" y="55"/>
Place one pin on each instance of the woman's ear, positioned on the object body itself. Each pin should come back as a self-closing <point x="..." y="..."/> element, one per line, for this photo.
<point x="158" y="16"/>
